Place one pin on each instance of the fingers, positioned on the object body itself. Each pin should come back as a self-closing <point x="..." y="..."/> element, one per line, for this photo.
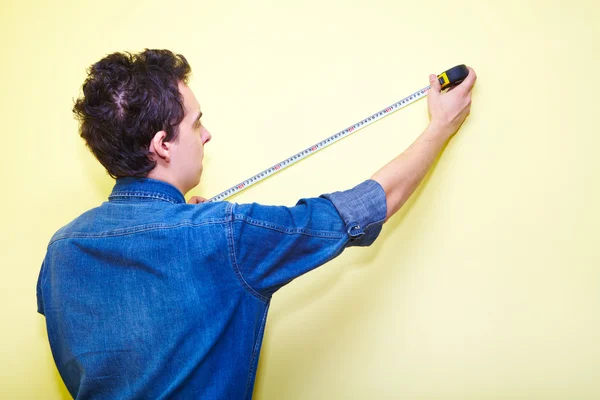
<point x="197" y="200"/>
<point x="466" y="85"/>
<point x="436" y="87"/>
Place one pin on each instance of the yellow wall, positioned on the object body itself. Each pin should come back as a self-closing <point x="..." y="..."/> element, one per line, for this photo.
<point x="486" y="285"/>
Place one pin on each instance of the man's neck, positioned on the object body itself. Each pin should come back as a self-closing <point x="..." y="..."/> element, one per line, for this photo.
<point x="161" y="175"/>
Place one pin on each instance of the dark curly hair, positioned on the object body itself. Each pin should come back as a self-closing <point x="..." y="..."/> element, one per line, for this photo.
<point x="127" y="98"/>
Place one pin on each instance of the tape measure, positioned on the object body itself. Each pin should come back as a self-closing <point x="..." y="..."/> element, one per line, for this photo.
<point x="447" y="79"/>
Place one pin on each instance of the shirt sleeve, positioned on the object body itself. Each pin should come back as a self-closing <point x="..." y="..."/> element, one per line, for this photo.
<point x="272" y="245"/>
<point x="38" y="291"/>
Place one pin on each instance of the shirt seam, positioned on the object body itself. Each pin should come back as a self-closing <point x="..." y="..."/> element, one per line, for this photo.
<point x="293" y="231"/>
<point x="256" y="350"/>
<point x="234" y="262"/>
<point x="130" y="231"/>
<point x="158" y="196"/>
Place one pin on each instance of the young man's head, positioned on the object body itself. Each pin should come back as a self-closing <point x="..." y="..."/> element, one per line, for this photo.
<point x="140" y="119"/>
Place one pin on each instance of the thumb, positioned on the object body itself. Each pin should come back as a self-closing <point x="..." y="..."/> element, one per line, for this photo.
<point x="436" y="88"/>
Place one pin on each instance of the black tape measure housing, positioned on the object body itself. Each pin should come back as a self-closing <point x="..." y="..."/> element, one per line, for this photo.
<point x="453" y="76"/>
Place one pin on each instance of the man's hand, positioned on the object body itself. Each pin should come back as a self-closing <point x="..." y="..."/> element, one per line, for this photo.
<point x="449" y="110"/>
<point x="401" y="176"/>
<point x="197" y="200"/>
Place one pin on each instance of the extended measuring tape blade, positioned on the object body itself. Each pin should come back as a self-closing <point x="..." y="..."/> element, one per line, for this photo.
<point x="448" y="78"/>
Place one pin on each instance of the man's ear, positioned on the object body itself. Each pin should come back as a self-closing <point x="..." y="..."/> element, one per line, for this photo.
<point x="159" y="147"/>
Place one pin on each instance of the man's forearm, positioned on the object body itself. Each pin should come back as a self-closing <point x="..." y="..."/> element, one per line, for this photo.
<point x="401" y="176"/>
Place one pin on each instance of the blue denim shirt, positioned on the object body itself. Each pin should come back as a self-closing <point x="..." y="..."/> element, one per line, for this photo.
<point x="148" y="297"/>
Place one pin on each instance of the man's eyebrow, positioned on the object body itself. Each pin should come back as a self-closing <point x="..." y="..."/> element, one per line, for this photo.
<point x="198" y="117"/>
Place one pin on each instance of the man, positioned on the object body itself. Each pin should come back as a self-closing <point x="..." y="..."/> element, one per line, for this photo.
<point x="146" y="296"/>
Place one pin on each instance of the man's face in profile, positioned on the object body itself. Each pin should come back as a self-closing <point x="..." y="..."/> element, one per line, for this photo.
<point x="188" y="150"/>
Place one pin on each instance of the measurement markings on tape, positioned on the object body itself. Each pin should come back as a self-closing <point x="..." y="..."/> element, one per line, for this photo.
<point x="448" y="78"/>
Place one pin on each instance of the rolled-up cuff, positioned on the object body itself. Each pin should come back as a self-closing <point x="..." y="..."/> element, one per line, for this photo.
<point x="363" y="209"/>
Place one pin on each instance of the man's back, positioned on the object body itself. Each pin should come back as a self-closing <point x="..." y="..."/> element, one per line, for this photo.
<point x="147" y="296"/>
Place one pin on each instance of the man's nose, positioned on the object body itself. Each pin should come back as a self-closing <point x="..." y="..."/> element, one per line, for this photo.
<point x="207" y="136"/>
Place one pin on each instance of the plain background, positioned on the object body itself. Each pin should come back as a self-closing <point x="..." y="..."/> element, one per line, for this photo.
<point x="486" y="284"/>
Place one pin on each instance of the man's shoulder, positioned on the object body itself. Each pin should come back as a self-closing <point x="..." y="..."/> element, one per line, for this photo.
<point x="79" y="223"/>
<point x="110" y="219"/>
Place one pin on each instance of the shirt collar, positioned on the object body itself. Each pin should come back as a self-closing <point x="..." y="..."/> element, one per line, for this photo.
<point x="133" y="188"/>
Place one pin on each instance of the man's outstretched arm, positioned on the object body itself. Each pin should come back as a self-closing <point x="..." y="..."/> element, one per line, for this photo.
<point x="401" y="176"/>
